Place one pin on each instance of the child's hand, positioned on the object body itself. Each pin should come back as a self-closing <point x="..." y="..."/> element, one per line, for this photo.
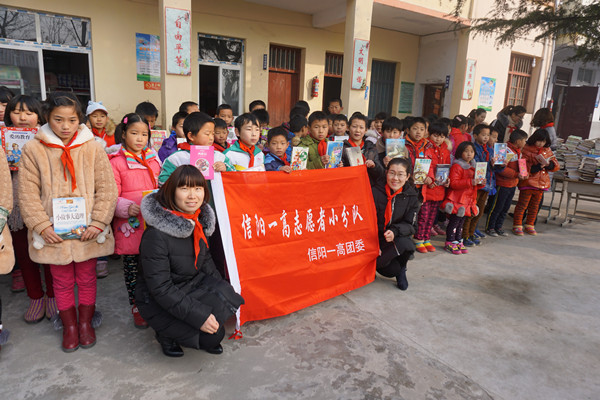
<point x="325" y="159"/>
<point x="286" y="168"/>
<point x="428" y="181"/>
<point x="447" y="184"/>
<point x="50" y="236"/>
<point x="475" y="182"/>
<point x="388" y="235"/>
<point x="386" y="161"/>
<point x="133" y="210"/>
<point x="90" y="233"/>
<point x="495" y="159"/>
<point x="219" y="166"/>
<point x="521" y="177"/>
<point x="432" y="185"/>
<point x="370" y="164"/>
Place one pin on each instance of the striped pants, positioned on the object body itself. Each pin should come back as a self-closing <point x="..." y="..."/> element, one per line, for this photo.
<point x="529" y="199"/>
<point x="426" y="219"/>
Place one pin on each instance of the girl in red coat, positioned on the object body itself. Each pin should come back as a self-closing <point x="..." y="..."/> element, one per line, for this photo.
<point x="461" y="196"/>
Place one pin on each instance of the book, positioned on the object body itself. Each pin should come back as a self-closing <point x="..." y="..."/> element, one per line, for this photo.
<point x="334" y="151"/>
<point x="500" y="152"/>
<point x="442" y="174"/>
<point x="69" y="217"/>
<point x="480" y="172"/>
<point x="13" y="140"/>
<point x="395" y="148"/>
<point x="299" y="158"/>
<point x="355" y="156"/>
<point x="509" y="155"/>
<point x="231" y="136"/>
<point x="522" y="166"/>
<point x="341" y="138"/>
<point x="421" y="170"/>
<point x="203" y="158"/>
<point x="157" y="138"/>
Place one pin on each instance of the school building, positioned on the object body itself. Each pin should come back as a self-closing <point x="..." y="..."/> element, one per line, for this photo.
<point x="405" y="57"/>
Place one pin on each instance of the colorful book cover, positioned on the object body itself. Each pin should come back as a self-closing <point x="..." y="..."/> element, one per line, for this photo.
<point x="203" y="158"/>
<point x="264" y="133"/>
<point x="480" y="171"/>
<point x="395" y="148"/>
<point x="500" y="151"/>
<point x="69" y="217"/>
<point x="13" y="140"/>
<point x="231" y="136"/>
<point x="442" y="173"/>
<point x="334" y="151"/>
<point x="299" y="158"/>
<point x="522" y="166"/>
<point x="157" y="138"/>
<point x="355" y="156"/>
<point x="421" y="170"/>
<point x="509" y="155"/>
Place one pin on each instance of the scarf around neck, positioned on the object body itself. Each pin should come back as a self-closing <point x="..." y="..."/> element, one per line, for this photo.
<point x="388" y="207"/>
<point x="147" y="154"/>
<point x="249" y="151"/>
<point x="198" y="231"/>
<point x="66" y="159"/>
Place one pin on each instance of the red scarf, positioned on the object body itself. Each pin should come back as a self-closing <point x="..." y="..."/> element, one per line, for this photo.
<point x="486" y="152"/>
<point x="322" y="148"/>
<point x="218" y="147"/>
<point x="66" y="159"/>
<point x="250" y="151"/>
<point x="419" y="147"/>
<point x="284" y="159"/>
<point x="183" y="146"/>
<point x="388" y="208"/>
<point x="101" y="135"/>
<point x="362" y="143"/>
<point x="144" y="162"/>
<point x="548" y="125"/>
<point x="108" y="139"/>
<point x="198" y="231"/>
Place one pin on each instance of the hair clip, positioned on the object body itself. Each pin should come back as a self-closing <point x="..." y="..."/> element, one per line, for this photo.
<point x="125" y="120"/>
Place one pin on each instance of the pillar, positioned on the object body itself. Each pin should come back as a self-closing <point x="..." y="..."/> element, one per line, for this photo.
<point x="358" y="26"/>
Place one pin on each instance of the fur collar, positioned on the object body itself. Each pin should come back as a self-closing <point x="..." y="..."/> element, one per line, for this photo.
<point x="46" y="134"/>
<point x="156" y="216"/>
<point x="464" y="164"/>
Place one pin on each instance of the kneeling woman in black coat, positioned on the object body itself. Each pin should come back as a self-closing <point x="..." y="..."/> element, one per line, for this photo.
<point x="397" y="207"/>
<point x="179" y="291"/>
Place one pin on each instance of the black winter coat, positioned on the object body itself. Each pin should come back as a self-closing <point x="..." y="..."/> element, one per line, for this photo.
<point x="174" y="296"/>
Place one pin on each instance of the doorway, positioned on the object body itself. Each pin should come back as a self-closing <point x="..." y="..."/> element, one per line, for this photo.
<point x="433" y="100"/>
<point x="577" y="111"/>
<point x="67" y="72"/>
<point x="332" y="82"/>
<point x="383" y="77"/>
<point x="284" y="82"/>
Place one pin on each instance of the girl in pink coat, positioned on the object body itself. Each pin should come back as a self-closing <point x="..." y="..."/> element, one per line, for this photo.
<point x="136" y="167"/>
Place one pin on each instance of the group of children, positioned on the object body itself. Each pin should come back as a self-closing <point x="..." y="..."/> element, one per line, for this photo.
<point x="65" y="160"/>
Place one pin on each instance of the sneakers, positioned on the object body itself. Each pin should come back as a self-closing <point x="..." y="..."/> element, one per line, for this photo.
<point x="467" y="242"/>
<point x="492" y="233"/>
<point x="479" y="234"/>
<point x="475" y="241"/>
<point x="501" y="232"/>
<point x="138" y="321"/>
<point x="452" y="247"/>
<point x="433" y="232"/>
<point x="421" y="247"/>
<point x="36" y="311"/>
<point x="439" y="229"/>
<point x="517" y="230"/>
<point x="429" y="246"/>
<point x="51" y="309"/>
<point x="101" y="269"/>
<point x="18" y="285"/>
<point x="530" y="230"/>
<point x="462" y="248"/>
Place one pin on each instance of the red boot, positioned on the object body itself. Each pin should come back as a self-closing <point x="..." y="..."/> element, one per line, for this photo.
<point x="70" y="332"/>
<point x="87" y="335"/>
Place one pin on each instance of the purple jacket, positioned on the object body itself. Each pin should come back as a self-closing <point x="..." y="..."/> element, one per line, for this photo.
<point x="169" y="146"/>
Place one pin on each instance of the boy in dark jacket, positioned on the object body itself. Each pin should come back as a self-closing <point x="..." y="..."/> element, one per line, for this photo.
<point x="277" y="158"/>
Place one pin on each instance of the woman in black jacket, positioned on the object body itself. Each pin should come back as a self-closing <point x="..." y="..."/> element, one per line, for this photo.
<point x="507" y="120"/>
<point x="397" y="206"/>
<point x="179" y="291"/>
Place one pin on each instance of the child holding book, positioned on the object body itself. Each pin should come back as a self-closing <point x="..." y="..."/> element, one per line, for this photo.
<point x="64" y="160"/>
<point x="7" y="257"/>
<point x="397" y="205"/>
<point x="169" y="145"/>
<point x="245" y="153"/>
<point x="136" y="168"/>
<point x="460" y="200"/>
<point x="540" y="161"/>
<point x="416" y="143"/>
<point x="102" y="126"/>
<point x="391" y="129"/>
<point x="507" y="180"/>
<point x="220" y="144"/>
<point x="433" y="191"/>
<point x="277" y="159"/>
<point x="316" y="141"/>
<point x="483" y="154"/>
<point x="358" y="128"/>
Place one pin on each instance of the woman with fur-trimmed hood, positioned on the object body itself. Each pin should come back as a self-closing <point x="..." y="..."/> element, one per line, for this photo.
<point x="7" y="256"/>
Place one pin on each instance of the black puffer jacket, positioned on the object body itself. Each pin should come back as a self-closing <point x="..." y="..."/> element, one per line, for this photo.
<point x="174" y="296"/>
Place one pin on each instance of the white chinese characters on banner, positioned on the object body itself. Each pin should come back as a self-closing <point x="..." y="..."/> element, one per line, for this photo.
<point x="360" y="63"/>
<point x="177" y="32"/>
<point x="469" y="80"/>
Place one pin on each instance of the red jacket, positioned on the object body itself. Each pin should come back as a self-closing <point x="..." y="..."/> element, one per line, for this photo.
<point x="457" y="137"/>
<point x="461" y="196"/>
<point x="538" y="180"/>
<point x="437" y="155"/>
<point x="509" y="176"/>
<point x="416" y="150"/>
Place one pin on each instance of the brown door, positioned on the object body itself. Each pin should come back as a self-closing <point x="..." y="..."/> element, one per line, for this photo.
<point x="577" y="110"/>
<point x="284" y="83"/>
<point x="433" y="100"/>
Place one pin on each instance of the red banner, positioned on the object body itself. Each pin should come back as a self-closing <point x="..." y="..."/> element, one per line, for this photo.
<point x="294" y="240"/>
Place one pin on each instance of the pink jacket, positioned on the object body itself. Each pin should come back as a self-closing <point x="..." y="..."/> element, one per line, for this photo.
<point x="132" y="179"/>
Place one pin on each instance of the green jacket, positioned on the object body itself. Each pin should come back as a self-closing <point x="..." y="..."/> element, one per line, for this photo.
<point x="314" y="159"/>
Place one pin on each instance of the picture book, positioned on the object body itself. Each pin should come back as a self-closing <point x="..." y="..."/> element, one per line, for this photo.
<point x="13" y="140"/>
<point x="421" y="170"/>
<point x="231" y="136"/>
<point x="299" y="158"/>
<point x="69" y="217"/>
<point x="442" y="173"/>
<point x="341" y="138"/>
<point x="509" y="155"/>
<point x="480" y="172"/>
<point x="203" y="157"/>
<point x="500" y="152"/>
<point x="522" y="166"/>
<point x="355" y="156"/>
<point x="157" y="138"/>
<point x="395" y="148"/>
<point x="334" y="151"/>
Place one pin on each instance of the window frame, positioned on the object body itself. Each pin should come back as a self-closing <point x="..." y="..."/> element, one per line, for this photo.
<point x="513" y="72"/>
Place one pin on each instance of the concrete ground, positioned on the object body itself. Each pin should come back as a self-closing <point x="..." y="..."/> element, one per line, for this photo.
<point x="517" y="318"/>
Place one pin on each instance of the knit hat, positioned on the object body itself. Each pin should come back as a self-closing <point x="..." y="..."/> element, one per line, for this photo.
<point x="95" y="106"/>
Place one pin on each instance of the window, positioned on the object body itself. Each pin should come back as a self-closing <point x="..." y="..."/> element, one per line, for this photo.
<point x="519" y="76"/>
<point x="585" y="76"/>
<point x="334" y="64"/>
<point x="221" y="61"/>
<point x="284" y="59"/>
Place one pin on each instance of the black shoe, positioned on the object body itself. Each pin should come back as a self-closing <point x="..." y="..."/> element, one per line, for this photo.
<point x="401" y="280"/>
<point x="491" y="233"/>
<point x="218" y="349"/>
<point x="500" y="232"/>
<point x="170" y="348"/>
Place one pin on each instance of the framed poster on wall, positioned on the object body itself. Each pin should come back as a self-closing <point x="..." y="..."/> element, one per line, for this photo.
<point x="178" y="41"/>
<point x="467" y="93"/>
<point x="360" y="63"/>
<point x="486" y="93"/>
